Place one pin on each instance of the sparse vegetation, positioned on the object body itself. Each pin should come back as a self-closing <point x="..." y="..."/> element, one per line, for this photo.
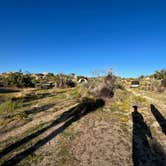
<point x="17" y="79"/>
<point x="160" y="74"/>
<point x="72" y="123"/>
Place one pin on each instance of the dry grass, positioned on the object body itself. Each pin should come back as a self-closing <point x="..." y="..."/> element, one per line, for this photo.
<point x="32" y="117"/>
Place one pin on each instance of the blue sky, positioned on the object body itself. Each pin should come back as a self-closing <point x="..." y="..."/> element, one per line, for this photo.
<point x="81" y="36"/>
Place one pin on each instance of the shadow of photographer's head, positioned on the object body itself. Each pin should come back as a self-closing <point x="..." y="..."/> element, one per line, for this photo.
<point x="135" y="108"/>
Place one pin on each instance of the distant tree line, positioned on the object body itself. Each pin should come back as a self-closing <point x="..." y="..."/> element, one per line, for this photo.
<point x="49" y="80"/>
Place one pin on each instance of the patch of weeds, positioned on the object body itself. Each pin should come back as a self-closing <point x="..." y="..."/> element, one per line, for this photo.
<point x="67" y="133"/>
<point x="121" y="118"/>
<point x="64" y="157"/>
<point x="8" y="112"/>
<point x="138" y="100"/>
<point x="31" y="159"/>
<point x="16" y="138"/>
<point x="7" y="107"/>
<point x="121" y="101"/>
<point x="18" y="117"/>
<point x="12" y="140"/>
<point x="114" y="107"/>
<point x="60" y="96"/>
<point x="101" y="115"/>
<point x="125" y="105"/>
<point x="75" y="93"/>
<point x="3" y="98"/>
<point x="124" y="119"/>
<point x="120" y="107"/>
<point x="121" y="95"/>
<point x="63" y="152"/>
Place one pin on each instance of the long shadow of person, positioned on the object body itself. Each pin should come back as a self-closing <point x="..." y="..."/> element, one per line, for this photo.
<point x="142" y="154"/>
<point x="159" y="117"/>
<point x="68" y="117"/>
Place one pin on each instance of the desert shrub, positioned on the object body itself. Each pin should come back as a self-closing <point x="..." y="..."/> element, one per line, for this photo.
<point x="70" y="83"/>
<point x="60" y="81"/>
<point x="161" y="86"/>
<point x="106" y="92"/>
<point x="18" y="79"/>
<point x="163" y="83"/>
<point x="14" y="80"/>
<point x="153" y="85"/>
<point x="1" y="81"/>
<point x="106" y="88"/>
<point x="93" y="83"/>
<point x="119" y="84"/>
<point x="28" y="81"/>
<point x="160" y="74"/>
<point x="109" y="85"/>
<point x="64" y="81"/>
<point x="161" y="89"/>
<point x="156" y="86"/>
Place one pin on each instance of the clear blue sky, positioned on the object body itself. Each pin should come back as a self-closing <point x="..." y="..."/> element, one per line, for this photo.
<point x="83" y="35"/>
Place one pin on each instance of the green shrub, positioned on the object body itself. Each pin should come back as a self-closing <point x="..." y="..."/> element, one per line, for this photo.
<point x="160" y="74"/>
<point x="7" y="108"/>
<point x="18" y="79"/>
<point x="64" y="81"/>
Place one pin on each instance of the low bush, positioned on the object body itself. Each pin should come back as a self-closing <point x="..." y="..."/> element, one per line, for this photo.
<point x="106" y="92"/>
<point x="163" y="83"/>
<point x="106" y="88"/>
<point x="154" y="85"/>
<point x="18" y="79"/>
<point x="70" y="83"/>
<point x="160" y="74"/>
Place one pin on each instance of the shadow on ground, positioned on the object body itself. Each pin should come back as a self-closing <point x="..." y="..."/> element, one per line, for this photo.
<point x="159" y="117"/>
<point x="146" y="150"/>
<point x="69" y="117"/>
<point x="7" y="90"/>
<point x="36" y="110"/>
<point x="26" y="113"/>
<point x="32" y="97"/>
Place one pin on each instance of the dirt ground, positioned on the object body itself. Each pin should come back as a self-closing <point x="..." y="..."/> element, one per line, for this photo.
<point x="87" y="133"/>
